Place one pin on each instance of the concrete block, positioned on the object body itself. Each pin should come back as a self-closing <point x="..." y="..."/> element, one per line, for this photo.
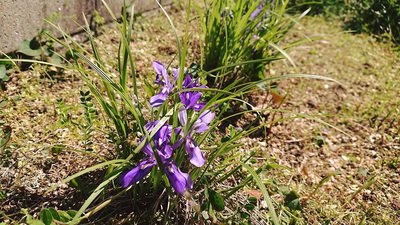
<point x="22" y="19"/>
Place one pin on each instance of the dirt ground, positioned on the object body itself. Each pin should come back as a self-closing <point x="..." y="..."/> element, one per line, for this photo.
<point x="339" y="141"/>
<point x="360" y="164"/>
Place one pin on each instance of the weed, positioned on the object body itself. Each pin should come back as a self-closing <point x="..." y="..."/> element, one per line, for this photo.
<point x="41" y="48"/>
<point x="90" y="114"/>
<point x="63" y="112"/>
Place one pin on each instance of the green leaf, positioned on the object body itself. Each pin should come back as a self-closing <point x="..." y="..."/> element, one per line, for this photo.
<point x="3" y="195"/>
<point x="264" y="191"/>
<point x="64" y="216"/>
<point x="56" y="149"/>
<point x="34" y="222"/>
<point x="3" y="103"/>
<point x="244" y="215"/>
<point x="292" y="200"/>
<point x="7" y="134"/>
<point x="54" y="214"/>
<point x="30" y="48"/>
<point x="3" y="73"/>
<point x="100" y="188"/>
<point x="217" y="201"/>
<point x="252" y="200"/>
<point x="271" y="166"/>
<point x="148" y="88"/>
<point x="75" y="183"/>
<point x="55" y="59"/>
<point x="87" y="170"/>
<point x="319" y="140"/>
<point x="249" y="206"/>
<point x="324" y="180"/>
<point x="46" y="217"/>
<point x="72" y="213"/>
<point x="366" y="185"/>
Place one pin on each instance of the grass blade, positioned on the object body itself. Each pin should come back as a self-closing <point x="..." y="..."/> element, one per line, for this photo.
<point x="264" y="191"/>
<point x="87" y="170"/>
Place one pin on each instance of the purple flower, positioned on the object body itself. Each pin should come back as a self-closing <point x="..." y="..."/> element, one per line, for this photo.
<point x="159" y="99"/>
<point x="201" y="125"/>
<point x="162" y="78"/>
<point x="181" y="182"/>
<point x="202" y="122"/>
<point x="175" y="73"/>
<point x="188" y="82"/>
<point x="182" y="117"/>
<point x="161" y="145"/>
<point x="162" y="136"/>
<point x="137" y="173"/>
<point x="190" y="98"/>
<point x="195" y="154"/>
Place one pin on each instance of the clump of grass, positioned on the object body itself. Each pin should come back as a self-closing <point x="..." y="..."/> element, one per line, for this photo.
<point x="379" y="17"/>
<point x="241" y="37"/>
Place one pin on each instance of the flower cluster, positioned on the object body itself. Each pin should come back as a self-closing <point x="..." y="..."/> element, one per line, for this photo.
<point x="161" y="143"/>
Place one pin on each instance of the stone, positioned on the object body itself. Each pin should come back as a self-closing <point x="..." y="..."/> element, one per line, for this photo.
<point x="22" y="20"/>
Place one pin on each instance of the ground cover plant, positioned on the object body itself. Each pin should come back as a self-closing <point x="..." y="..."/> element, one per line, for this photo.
<point x="292" y="164"/>
<point x="376" y="17"/>
<point x="380" y="18"/>
<point x="328" y="8"/>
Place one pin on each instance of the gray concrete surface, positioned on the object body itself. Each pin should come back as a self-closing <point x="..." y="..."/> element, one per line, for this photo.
<point x="23" y="19"/>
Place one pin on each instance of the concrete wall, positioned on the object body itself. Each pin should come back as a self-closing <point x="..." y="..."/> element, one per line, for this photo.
<point x="23" y="19"/>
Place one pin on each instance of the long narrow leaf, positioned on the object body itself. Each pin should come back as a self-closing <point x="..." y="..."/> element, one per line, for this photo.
<point x="264" y="191"/>
<point x="87" y="170"/>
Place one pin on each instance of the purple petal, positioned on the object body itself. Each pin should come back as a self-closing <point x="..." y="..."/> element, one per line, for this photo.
<point x="207" y="116"/>
<point x="204" y="119"/>
<point x="163" y="136"/>
<point x="188" y="82"/>
<point x="137" y="173"/>
<point x="150" y="125"/>
<point x="166" y="152"/>
<point x="177" y="144"/>
<point x="189" y="99"/>
<point x="159" y="99"/>
<point x="178" y="130"/>
<point x="194" y="98"/>
<point x="161" y="72"/>
<point x="200" y="127"/>
<point x="195" y="154"/>
<point x="175" y="73"/>
<point x="255" y="13"/>
<point x="181" y="182"/>
<point x="182" y="116"/>
<point x="199" y="106"/>
<point x="147" y="149"/>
